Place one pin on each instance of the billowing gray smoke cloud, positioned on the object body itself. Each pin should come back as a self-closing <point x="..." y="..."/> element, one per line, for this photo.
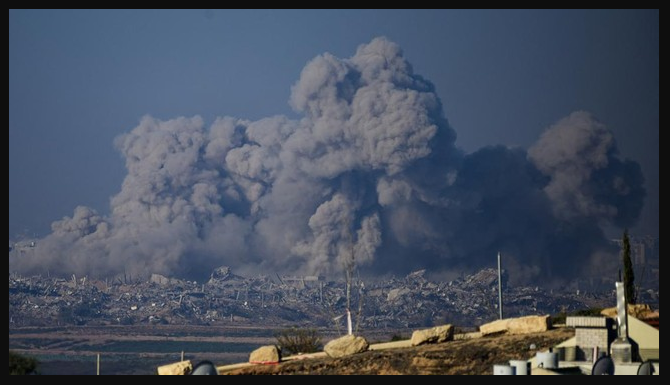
<point x="587" y="178"/>
<point x="371" y="167"/>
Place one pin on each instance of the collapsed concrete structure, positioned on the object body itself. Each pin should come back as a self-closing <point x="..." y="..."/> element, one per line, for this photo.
<point x="227" y="298"/>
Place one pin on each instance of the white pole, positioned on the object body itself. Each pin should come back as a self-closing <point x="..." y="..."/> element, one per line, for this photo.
<point x="97" y="371"/>
<point x="349" y="326"/>
<point x="500" y="301"/>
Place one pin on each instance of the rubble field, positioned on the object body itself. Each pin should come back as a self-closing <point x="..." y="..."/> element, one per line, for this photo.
<point x="227" y="299"/>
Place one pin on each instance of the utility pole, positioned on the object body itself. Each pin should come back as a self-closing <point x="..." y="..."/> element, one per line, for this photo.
<point x="500" y="301"/>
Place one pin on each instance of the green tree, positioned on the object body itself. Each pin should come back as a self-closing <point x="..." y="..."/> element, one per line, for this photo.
<point x="628" y="273"/>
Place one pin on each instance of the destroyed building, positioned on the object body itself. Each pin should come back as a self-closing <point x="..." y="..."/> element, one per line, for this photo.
<point x="227" y="298"/>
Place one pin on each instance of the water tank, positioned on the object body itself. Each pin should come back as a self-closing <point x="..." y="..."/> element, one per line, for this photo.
<point x="547" y="360"/>
<point x="522" y="367"/>
<point x="503" y="370"/>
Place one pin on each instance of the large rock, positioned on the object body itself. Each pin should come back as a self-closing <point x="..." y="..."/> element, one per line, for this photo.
<point x="177" y="369"/>
<point x="494" y="327"/>
<point x="266" y="355"/>
<point x="435" y="335"/>
<point x="523" y="325"/>
<point x="638" y="311"/>
<point x="346" y="346"/>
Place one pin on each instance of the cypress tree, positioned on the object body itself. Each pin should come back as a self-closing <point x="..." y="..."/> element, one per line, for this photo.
<point x="628" y="274"/>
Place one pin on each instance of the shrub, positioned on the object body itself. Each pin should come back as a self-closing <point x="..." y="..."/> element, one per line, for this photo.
<point x="295" y="341"/>
<point x="20" y="365"/>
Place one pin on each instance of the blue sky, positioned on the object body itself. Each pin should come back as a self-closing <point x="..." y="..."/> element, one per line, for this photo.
<point x="79" y="79"/>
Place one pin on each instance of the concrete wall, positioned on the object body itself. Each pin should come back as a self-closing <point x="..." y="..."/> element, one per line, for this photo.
<point x="587" y="339"/>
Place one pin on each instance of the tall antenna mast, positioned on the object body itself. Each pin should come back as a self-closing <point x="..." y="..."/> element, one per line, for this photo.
<point x="500" y="301"/>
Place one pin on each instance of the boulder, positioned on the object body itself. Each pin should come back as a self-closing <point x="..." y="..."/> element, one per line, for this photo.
<point x="522" y="325"/>
<point x="637" y="311"/>
<point x="265" y="355"/>
<point x="435" y="335"/>
<point x="178" y="369"/>
<point x="346" y="346"/>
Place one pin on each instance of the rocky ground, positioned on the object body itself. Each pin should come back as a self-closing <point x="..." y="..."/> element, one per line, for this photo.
<point x="467" y="357"/>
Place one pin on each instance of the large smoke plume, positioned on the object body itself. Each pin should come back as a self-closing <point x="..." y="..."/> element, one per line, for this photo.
<point x="372" y="167"/>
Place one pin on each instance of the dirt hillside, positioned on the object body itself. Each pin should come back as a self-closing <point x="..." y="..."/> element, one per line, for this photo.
<point x="452" y="358"/>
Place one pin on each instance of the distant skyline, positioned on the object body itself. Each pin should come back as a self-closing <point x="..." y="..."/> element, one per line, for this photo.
<point x="80" y="79"/>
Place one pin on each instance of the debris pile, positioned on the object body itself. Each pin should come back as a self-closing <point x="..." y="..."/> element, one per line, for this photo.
<point x="226" y="298"/>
